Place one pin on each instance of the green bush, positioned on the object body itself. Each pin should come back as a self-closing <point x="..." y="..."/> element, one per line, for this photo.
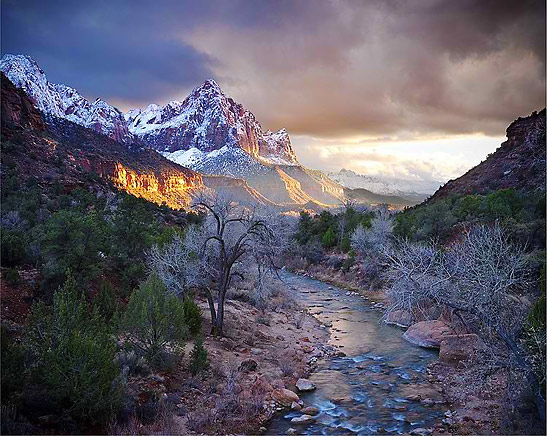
<point x="536" y="317"/>
<point x="12" y="366"/>
<point x="74" y="240"/>
<point x="345" y="243"/>
<point x="12" y="276"/>
<point x="504" y="203"/>
<point x="72" y="357"/>
<point x="329" y="239"/>
<point x="106" y="305"/>
<point x="199" y="360"/>
<point x="13" y="247"/>
<point x="192" y="315"/>
<point x="154" y="320"/>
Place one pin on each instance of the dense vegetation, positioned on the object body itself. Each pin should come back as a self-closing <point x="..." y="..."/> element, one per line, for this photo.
<point x="521" y="215"/>
<point x="88" y="248"/>
<point x="331" y="230"/>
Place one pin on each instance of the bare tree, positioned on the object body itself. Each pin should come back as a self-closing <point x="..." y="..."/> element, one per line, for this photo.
<point x="480" y="276"/>
<point x="233" y="242"/>
<point x="377" y="237"/>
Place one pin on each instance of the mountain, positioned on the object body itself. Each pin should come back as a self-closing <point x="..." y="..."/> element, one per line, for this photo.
<point x="211" y="133"/>
<point x="360" y="195"/>
<point x="519" y="163"/>
<point x="54" y="150"/>
<point x="208" y="120"/>
<point x="208" y="133"/>
<point x="415" y="190"/>
<point x="62" y="101"/>
<point x="281" y="184"/>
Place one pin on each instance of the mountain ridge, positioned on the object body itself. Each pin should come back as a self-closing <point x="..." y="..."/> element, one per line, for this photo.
<point x="384" y="185"/>
<point x="518" y="163"/>
<point x="63" y="101"/>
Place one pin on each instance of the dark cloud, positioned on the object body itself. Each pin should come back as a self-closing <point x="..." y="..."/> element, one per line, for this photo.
<point x="112" y="50"/>
<point x="322" y="68"/>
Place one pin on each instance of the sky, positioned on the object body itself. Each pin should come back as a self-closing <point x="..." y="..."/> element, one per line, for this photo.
<point x="422" y="89"/>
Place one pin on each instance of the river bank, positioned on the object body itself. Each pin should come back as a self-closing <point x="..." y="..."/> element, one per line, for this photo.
<point x="262" y="353"/>
<point x="480" y="400"/>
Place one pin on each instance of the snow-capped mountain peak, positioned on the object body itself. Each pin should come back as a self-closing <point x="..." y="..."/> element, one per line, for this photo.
<point x="63" y="101"/>
<point x="208" y="120"/>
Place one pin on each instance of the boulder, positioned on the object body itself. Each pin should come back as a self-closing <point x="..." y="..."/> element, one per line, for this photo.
<point x="427" y="334"/>
<point x="284" y="397"/>
<point x="304" y="419"/>
<point x="248" y="365"/>
<point x="400" y="318"/>
<point x="290" y="431"/>
<point x="304" y="384"/>
<point x="455" y="348"/>
<point x="310" y="410"/>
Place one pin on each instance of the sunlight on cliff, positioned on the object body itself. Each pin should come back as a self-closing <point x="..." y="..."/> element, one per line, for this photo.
<point x="176" y="190"/>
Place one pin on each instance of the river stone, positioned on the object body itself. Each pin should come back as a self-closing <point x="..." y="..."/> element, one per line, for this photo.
<point x="290" y="431"/>
<point x="284" y="397"/>
<point x="421" y="431"/>
<point x="305" y="385"/>
<point x="310" y="410"/>
<point x="304" y="419"/>
<point x="295" y="406"/>
<point x="427" y="334"/>
<point x="455" y="348"/>
<point x="400" y="318"/>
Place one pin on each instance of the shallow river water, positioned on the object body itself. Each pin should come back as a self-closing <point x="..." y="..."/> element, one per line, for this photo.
<point x="364" y="392"/>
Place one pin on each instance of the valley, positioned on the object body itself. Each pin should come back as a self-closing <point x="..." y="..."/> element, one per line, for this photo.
<point x="176" y="270"/>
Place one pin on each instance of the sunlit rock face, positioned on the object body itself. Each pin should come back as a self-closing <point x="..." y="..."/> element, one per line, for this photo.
<point x="208" y="120"/>
<point x="169" y="187"/>
<point x="63" y="101"/>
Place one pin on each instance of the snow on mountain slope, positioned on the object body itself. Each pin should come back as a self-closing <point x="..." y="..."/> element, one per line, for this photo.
<point x="208" y="120"/>
<point x="385" y="185"/>
<point x="63" y="101"/>
<point x="281" y="184"/>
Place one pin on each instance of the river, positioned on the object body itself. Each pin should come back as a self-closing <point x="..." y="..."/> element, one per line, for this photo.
<point x="366" y="391"/>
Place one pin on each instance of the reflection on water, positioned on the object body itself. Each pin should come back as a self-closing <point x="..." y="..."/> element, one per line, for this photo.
<point x="364" y="392"/>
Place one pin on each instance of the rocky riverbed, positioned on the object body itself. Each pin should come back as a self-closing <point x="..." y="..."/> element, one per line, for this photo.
<point x="375" y="383"/>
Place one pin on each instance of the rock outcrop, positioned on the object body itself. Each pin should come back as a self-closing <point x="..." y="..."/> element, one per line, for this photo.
<point x="427" y="334"/>
<point x="304" y="385"/>
<point x="284" y="397"/>
<point x="400" y="318"/>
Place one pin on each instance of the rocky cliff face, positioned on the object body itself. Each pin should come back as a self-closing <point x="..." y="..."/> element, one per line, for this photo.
<point x="208" y="120"/>
<point x="59" y="151"/>
<point x="518" y="163"/>
<point x="62" y="101"/>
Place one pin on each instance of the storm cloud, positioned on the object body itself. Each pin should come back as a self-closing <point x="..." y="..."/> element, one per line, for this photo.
<point x="320" y="68"/>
